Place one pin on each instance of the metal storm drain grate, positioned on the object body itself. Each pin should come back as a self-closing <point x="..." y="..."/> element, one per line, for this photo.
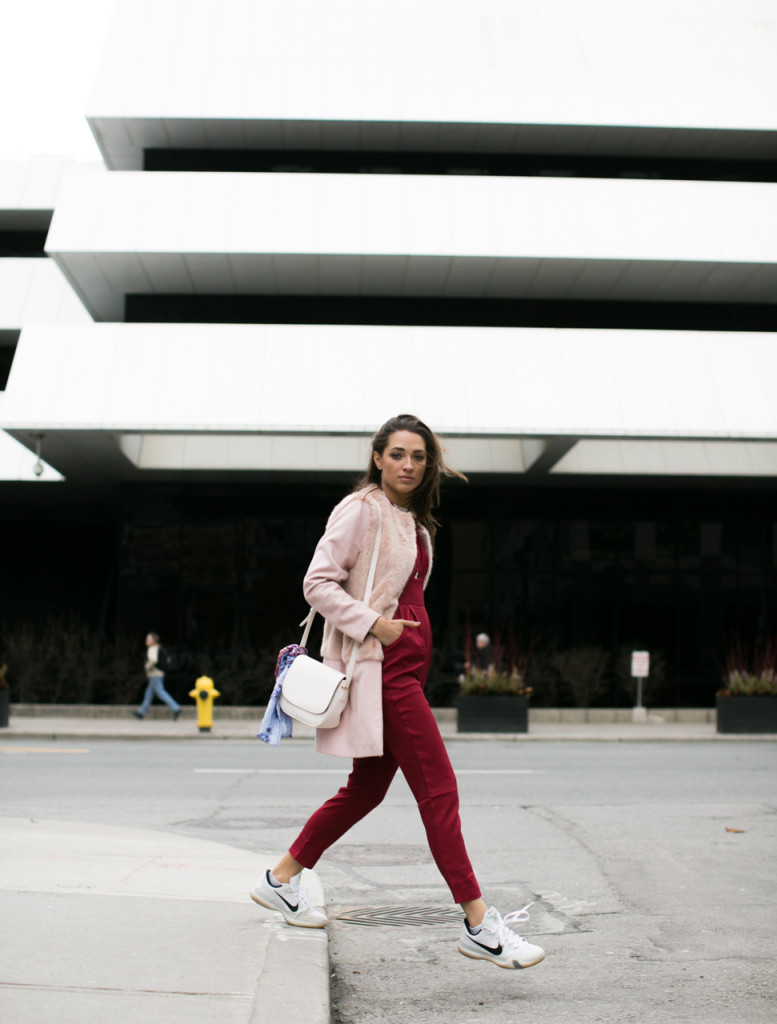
<point x="400" y="917"/>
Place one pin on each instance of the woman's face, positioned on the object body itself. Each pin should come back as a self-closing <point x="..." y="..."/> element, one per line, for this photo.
<point x="402" y="465"/>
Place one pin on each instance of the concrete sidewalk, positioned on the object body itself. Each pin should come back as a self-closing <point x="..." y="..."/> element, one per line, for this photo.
<point x="111" y="924"/>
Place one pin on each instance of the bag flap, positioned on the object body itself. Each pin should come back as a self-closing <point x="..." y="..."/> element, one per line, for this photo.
<point x="310" y="684"/>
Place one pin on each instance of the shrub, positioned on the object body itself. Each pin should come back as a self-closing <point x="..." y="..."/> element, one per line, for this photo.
<point x="584" y="671"/>
<point x="66" y="661"/>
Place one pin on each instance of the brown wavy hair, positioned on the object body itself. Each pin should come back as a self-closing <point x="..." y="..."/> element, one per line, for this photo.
<point x="426" y="497"/>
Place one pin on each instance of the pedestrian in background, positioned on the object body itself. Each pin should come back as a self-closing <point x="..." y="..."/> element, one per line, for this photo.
<point x="155" y="673"/>
<point x="387" y="723"/>
<point x="5" y="696"/>
<point x="481" y="659"/>
<point x="484" y="655"/>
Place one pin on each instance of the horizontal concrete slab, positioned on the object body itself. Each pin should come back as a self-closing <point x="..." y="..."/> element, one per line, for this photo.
<point x="267" y="379"/>
<point x="672" y="76"/>
<point x="481" y="237"/>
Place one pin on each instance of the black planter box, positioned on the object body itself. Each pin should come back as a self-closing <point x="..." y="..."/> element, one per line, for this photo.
<point x="493" y="714"/>
<point x="4" y="706"/>
<point x="747" y="714"/>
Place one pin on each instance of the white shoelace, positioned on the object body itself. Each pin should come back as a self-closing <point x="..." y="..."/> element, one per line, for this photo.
<point x="506" y="935"/>
<point x="302" y="896"/>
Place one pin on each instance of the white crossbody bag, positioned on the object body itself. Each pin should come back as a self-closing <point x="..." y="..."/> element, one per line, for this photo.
<point x="314" y="693"/>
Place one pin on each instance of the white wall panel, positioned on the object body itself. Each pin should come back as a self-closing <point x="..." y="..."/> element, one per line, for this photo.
<point x="35" y="291"/>
<point x="190" y="452"/>
<point x="564" y="238"/>
<point x="166" y="274"/>
<point x="125" y="273"/>
<point x="251" y="273"/>
<point x="33" y="185"/>
<point x="338" y="277"/>
<point x="426" y="215"/>
<point x="674" y="458"/>
<point x="203" y="276"/>
<point x="349" y="63"/>
<point x="471" y="381"/>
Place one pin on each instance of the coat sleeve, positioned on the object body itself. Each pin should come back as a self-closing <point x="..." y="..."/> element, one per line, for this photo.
<point x="334" y="557"/>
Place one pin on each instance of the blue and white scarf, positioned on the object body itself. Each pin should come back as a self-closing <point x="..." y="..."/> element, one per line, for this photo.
<point x="276" y="724"/>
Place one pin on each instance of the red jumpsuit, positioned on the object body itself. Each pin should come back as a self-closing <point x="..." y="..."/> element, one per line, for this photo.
<point x="412" y="742"/>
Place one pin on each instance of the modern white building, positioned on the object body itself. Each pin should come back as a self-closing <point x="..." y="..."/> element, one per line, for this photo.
<point x="550" y="230"/>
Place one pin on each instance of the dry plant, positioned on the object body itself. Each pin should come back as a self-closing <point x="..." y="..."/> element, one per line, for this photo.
<point x="751" y="675"/>
<point x="66" y="661"/>
<point x="584" y="671"/>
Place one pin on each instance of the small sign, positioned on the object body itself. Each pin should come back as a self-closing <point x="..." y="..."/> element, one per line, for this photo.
<point x="640" y="664"/>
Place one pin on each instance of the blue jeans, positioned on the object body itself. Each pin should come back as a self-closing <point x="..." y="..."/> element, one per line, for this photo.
<point x="156" y="688"/>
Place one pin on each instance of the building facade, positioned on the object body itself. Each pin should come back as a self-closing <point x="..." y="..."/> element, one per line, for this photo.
<point x="550" y="230"/>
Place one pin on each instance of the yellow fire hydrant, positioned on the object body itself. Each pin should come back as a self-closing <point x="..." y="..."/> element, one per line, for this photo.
<point x="205" y="693"/>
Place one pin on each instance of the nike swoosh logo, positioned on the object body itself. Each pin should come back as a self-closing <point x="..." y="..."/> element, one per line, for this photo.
<point x="294" y="909"/>
<point x="496" y="950"/>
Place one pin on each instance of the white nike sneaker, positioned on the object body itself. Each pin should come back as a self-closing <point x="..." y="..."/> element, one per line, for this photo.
<point x="290" y="899"/>
<point x="497" y="942"/>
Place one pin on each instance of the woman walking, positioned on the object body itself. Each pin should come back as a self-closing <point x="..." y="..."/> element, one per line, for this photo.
<point x="387" y="723"/>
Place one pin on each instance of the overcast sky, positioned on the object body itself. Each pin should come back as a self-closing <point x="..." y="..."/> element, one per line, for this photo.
<point x="50" y="54"/>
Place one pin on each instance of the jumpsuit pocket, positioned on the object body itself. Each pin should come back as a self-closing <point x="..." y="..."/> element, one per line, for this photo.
<point x="410" y="639"/>
<point x="393" y="644"/>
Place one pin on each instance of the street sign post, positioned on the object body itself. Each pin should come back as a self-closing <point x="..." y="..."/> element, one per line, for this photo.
<point x="640" y="669"/>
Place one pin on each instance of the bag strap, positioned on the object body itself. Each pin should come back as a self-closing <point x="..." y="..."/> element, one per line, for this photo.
<point x="307" y="622"/>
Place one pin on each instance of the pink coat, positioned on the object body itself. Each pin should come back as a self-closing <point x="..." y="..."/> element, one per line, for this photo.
<point x="334" y="585"/>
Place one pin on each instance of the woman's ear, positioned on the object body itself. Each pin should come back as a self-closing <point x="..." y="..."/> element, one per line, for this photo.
<point x="378" y="460"/>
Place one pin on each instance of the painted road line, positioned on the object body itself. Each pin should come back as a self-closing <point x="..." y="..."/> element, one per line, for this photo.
<point x="271" y="771"/>
<point x="336" y="771"/>
<point x="44" y="750"/>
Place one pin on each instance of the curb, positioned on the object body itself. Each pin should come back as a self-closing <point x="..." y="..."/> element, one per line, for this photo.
<point x="293" y="965"/>
<point x="296" y="961"/>
<point x="89" y="730"/>
<point x="444" y="716"/>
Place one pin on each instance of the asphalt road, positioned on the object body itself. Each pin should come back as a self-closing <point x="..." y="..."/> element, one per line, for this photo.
<point x="650" y="905"/>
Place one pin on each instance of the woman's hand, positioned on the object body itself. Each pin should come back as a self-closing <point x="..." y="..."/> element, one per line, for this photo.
<point x="389" y="630"/>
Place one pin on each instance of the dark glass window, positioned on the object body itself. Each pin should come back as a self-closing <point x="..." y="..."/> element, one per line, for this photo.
<point x="8" y="342"/>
